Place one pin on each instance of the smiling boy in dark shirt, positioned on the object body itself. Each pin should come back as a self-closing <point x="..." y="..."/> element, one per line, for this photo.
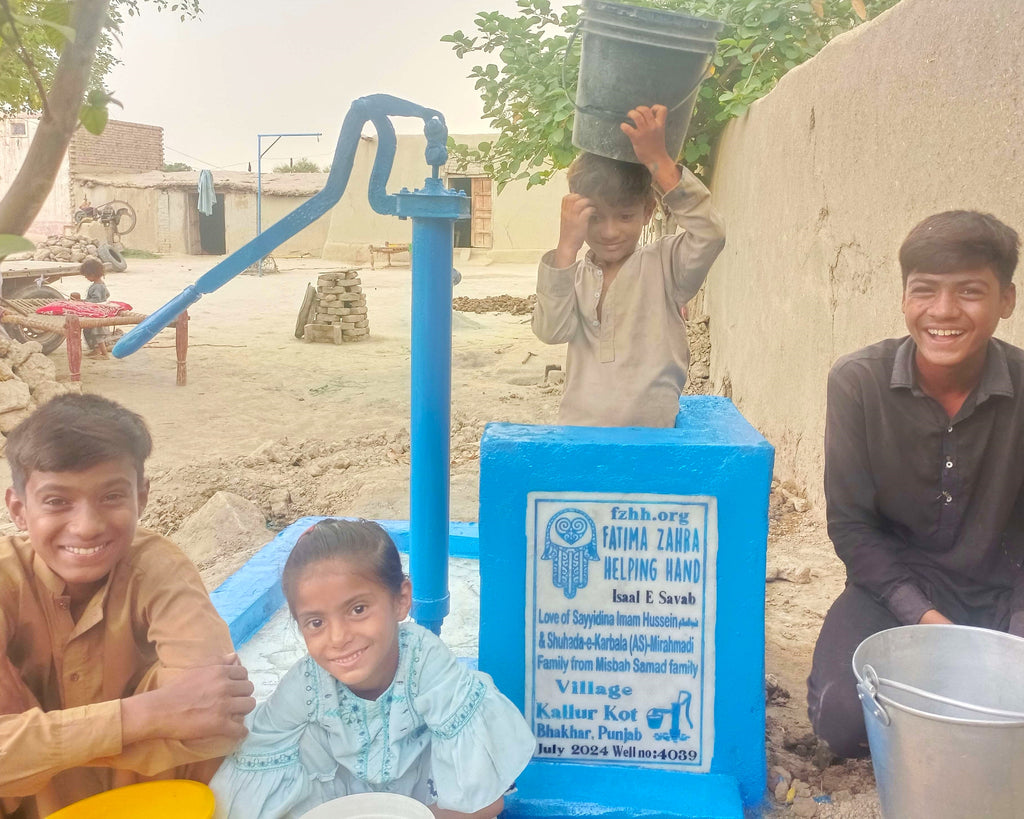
<point x="924" y="463"/>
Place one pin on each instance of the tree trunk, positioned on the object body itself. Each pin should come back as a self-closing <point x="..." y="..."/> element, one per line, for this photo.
<point x="24" y="199"/>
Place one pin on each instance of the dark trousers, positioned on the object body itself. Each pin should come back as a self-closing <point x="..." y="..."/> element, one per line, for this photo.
<point x="832" y="702"/>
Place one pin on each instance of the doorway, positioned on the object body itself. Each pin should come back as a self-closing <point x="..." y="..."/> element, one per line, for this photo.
<point x="212" y="238"/>
<point x="476" y="231"/>
<point x="463" y="227"/>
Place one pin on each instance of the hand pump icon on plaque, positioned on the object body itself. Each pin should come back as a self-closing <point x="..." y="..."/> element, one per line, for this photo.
<point x="678" y="710"/>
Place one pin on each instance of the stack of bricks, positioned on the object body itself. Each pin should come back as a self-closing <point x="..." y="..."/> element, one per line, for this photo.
<point x="340" y="310"/>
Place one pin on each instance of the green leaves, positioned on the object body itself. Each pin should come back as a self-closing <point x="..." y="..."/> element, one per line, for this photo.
<point x="33" y="33"/>
<point x="94" y="112"/>
<point x="10" y="244"/>
<point x="524" y="99"/>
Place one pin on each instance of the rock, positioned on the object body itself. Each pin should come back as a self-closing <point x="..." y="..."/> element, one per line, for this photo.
<point x="267" y="452"/>
<point x="6" y="373"/>
<point x="9" y="420"/>
<point x="804" y="806"/>
<point x="51" y="389"/>
<point x="801" y="787"/>
<point x="317" y="467"/>
<point x="226" y="523"/>
<point x="339" y="461"/>
<point x="280" y="501"/>
<point x="823" y="757"/>
<point x="14" y="395"/>
<point x="775" y="694"/>
<point x="800" y="504"/>
<point x="777" y="772"/>
<point x="17" y="353"/>
<point x="781" y="789"/>
<point x="556" y="377"/>
<point x="77" y="256"/>
<point x="36" y="370"/>
<point x="41" y="255"/>
<point x="700" y="370"/>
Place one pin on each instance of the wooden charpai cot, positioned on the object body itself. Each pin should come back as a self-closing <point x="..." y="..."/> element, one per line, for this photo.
<point x="22" y="313"/>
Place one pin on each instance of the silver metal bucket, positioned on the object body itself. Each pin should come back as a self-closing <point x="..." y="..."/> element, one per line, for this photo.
<point x="944" y="708"/>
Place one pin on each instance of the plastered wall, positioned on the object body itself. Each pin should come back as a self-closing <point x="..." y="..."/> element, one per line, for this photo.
<point x="56" y="210"/>
<point x="525" y="223"/>
<point x="916" y="112"/>
<point x="168" y="221"/>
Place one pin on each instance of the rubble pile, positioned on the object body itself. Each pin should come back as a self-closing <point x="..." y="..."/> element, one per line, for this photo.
<point x="27" y="379"/>
<point x="72" y="249"/>
<point x="504" y="303"/>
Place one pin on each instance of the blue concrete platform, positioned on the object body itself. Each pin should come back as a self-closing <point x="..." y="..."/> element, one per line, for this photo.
<point x="560" y="790"/>
<point x="248" y="598"/>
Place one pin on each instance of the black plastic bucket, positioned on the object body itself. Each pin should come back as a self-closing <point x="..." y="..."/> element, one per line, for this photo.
<point x="638" y="56"/>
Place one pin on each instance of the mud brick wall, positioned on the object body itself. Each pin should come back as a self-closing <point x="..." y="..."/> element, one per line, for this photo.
<point x="123" y="146"/>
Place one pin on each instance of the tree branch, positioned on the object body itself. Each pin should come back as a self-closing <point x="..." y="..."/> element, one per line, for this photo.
<point x="24" y="55"/>
<point x="32" y="185"/>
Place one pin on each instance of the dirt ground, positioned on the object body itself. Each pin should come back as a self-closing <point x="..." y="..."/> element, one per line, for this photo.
<point x="302" y="429"/>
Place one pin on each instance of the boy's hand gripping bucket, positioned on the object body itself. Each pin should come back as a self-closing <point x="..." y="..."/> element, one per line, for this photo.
<point x="944" y="708"/>
<point x="637" y="56"/>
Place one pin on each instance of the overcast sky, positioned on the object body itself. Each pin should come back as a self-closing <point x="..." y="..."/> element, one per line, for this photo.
<point x="270" y="66"/>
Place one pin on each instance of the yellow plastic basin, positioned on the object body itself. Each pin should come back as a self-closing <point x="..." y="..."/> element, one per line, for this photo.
<point x="167" y="799"/>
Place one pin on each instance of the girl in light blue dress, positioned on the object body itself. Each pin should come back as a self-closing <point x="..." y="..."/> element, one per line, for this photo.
<point x="378" y="704"/>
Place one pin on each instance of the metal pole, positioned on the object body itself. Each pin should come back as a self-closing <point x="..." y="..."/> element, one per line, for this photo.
<point x="431" y="418"/>
<point x="259" y="183"/>
<point x="259" y="180"/>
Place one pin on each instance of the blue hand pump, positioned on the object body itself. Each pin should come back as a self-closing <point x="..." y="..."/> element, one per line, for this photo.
<point x="433" y="210"/>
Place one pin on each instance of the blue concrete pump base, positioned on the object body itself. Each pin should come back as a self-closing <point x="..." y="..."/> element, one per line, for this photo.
<point x="563" y="790"/>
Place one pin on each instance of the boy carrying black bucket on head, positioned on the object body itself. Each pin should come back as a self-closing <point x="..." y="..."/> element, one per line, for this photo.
<point x="621" y="308"/>
<point x="114" y="665"/>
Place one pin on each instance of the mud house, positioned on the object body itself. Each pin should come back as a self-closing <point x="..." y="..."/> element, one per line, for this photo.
<point x="517" y="225"/>
<point x="124" y="163"/>
<point x="169" y="220"/>
<point x="123" y="147"/>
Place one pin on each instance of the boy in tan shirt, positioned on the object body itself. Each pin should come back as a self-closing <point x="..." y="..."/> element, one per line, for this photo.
<point x="114" y="665"/>
<point x="621" y="308"/>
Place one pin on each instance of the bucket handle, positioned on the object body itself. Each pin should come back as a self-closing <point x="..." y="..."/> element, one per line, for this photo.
<point x="867" y="689"/>
<point x="618" y="116"/>
<point x="872" y="682"/>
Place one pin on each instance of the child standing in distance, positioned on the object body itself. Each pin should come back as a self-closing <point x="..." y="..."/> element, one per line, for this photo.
<point x="378" y="704"/>
<point x="621" y="309"/>
<point x="114" y="665"/>
<point x="96" y="338"/>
